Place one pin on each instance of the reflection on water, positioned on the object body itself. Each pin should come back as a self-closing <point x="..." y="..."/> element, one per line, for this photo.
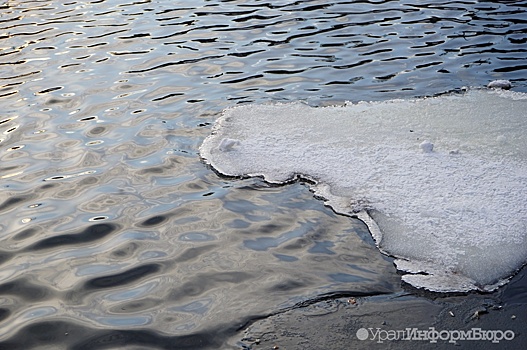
<point x="113" y="232"/>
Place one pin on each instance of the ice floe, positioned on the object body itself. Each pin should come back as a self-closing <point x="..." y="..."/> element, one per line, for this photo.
<point x="441" y="182"/>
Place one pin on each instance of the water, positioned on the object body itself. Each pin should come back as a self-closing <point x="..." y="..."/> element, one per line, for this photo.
<point x="113" y="233"/>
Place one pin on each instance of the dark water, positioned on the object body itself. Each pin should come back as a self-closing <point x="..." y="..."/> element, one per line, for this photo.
<point x="113" y="233"/>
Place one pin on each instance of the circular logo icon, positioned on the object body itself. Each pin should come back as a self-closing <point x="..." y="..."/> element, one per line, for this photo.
<point x="362" y="334"/>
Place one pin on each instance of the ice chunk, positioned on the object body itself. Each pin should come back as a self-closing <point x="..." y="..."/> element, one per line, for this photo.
<point x="427" y="146"/>
<point x="500" y="84"/>
<point x="228" y="144"/>
<point x="454" y="223"/>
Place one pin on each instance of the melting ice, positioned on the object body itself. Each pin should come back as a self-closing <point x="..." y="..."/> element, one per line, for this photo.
<point x="441" y="182"/>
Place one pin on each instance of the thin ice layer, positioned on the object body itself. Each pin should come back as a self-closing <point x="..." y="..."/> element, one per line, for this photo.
<point x="444" y="179"/>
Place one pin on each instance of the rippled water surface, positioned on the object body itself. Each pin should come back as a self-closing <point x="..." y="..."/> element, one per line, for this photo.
<point x="113" y="233"/>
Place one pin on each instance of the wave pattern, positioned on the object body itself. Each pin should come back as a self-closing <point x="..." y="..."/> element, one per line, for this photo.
<point x="113" y="233"/>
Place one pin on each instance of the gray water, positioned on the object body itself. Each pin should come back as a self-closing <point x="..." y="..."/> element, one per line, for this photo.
<point x="114" y="234"/>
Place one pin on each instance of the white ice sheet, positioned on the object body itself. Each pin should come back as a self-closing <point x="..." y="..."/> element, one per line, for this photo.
<point x="444" y="179"/>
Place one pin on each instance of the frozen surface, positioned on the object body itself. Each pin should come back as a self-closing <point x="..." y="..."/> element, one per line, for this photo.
<point x="441" y="182"/>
